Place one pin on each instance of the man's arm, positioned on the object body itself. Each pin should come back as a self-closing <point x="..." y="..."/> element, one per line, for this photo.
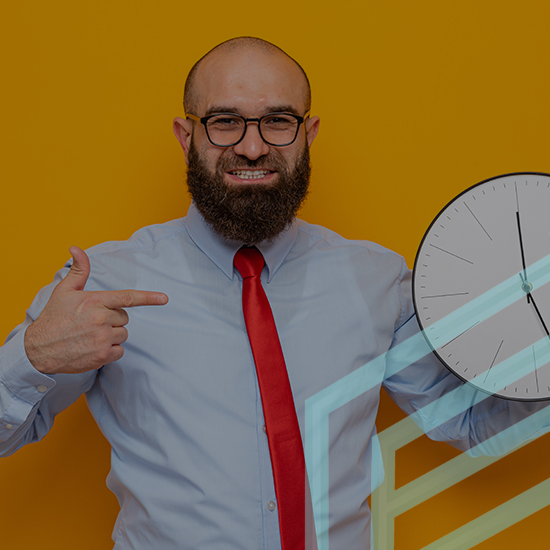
<point x="53" y="357"/>
<point x="448" y="409"/>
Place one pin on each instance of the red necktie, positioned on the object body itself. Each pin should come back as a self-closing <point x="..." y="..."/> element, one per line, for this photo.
<point x="283" y="432"/>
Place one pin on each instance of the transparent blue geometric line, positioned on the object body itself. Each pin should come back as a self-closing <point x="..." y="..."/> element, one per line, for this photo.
<point x="320" y="405"/>
<point x="466" y="396"/>
<point x="317" y="456"/>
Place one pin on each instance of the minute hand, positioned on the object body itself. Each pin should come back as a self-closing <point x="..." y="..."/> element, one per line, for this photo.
<point x="524" y="279"/>
<point x="538" y="313"/>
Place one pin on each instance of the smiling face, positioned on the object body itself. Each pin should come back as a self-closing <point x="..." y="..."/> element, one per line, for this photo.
<point x="252" y="82"/>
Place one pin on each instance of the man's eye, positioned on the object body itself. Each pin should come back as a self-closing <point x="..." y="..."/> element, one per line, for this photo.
<point x="225" y="121"/>
<point x="279" y="122"/>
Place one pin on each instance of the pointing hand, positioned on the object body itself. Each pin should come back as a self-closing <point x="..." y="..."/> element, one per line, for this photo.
<point x="78" y="330"/>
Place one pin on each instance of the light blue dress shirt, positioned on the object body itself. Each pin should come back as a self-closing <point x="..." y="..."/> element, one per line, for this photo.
<point x="182" y="410"/>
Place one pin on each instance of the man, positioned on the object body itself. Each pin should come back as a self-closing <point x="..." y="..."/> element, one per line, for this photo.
<point x="180" y="403"/>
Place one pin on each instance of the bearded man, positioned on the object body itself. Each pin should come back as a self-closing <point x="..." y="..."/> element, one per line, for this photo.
<point x="204" y="441"/>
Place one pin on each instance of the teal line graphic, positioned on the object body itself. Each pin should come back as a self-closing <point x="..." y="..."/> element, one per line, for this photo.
<point x="319" y="406"/>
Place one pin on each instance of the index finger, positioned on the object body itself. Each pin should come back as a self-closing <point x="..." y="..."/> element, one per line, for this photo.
<point x="115" y="299"/>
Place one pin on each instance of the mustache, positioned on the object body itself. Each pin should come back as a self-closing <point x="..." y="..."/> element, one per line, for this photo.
<point x="230" y="161"/>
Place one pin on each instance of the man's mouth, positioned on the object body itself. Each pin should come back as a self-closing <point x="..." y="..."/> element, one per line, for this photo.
<point x="251" y="174"/>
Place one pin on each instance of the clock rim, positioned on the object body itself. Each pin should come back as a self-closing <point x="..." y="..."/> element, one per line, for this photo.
<point x="413" y="285"/>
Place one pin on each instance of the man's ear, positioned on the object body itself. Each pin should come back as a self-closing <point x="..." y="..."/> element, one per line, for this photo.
<point x="182" y="130"/>
<point x="312" y="127"/>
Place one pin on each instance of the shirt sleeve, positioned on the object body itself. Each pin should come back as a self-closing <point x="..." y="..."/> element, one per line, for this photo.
<point x="30" y="400"/>
<point x="446" y="408"/>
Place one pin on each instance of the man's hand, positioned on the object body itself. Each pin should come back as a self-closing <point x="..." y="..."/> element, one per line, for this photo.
<point x="80" y="331"/>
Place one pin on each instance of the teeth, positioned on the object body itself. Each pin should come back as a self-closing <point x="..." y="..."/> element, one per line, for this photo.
<point x="250" y="174"/>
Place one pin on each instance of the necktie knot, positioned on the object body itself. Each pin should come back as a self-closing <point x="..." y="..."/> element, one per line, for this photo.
<point x="249" y="262"/>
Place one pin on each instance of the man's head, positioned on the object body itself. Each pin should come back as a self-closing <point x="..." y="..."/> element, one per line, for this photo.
<point x="249" y="191"/>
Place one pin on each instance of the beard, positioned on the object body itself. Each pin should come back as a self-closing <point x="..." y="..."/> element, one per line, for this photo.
<point x="248" y="213"/>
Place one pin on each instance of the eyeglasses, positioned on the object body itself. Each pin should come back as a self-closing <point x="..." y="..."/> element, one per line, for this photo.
<point x="228" y="129"/>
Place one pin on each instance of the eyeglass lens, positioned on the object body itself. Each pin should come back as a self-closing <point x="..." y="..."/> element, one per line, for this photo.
<point x="276" y="129"/>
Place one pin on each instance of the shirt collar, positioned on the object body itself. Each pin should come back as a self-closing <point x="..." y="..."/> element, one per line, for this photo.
<point x="221" y="251"/>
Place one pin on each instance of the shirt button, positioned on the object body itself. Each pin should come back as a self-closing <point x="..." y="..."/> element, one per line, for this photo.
<point x="42" y="389"/>
<point x="9" y="426"/>
<point x="264" y="429"/>
<point x="271" y="506"/>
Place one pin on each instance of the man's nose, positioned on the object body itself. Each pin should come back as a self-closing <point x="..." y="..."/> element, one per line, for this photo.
<point x="252" y="146"/>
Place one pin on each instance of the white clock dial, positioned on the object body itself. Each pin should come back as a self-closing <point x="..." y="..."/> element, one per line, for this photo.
<point x="489" y="233"/>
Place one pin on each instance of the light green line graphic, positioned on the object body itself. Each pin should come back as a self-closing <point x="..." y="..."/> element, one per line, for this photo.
<point x="319" y="406"/>
<point x="387" y="502"/>
<point x="496" y="520"/>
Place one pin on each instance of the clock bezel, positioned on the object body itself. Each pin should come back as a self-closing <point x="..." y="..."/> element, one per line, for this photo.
<point x="414" y="274"/>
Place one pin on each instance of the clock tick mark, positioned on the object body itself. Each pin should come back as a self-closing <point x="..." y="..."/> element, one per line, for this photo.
<point x="536" y="370"/>
<point x="459" y="335"/>
<point x="494" y="359"/>
<point x="480" y="224"/>
<point x="445" y="295"/>
<point x="455" y="255"/>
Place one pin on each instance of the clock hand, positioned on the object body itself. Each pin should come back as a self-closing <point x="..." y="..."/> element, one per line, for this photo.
<point x="523" y="279"/>
<point x="527" y="286"/>
<point x="540" y="316"/>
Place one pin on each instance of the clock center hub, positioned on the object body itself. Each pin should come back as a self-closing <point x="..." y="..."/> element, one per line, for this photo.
<point x="527" y="287"/>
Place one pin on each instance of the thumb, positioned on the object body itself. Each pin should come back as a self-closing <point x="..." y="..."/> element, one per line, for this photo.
<point x="79" y="272"/>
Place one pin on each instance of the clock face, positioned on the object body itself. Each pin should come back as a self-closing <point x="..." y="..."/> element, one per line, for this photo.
<point x="491" y="232"/>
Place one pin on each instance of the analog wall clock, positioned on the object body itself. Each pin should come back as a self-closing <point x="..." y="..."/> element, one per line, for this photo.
<point x="492" y="231"/>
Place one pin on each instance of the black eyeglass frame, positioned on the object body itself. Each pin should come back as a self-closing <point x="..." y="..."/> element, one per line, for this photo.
<point x="203" y="120"/>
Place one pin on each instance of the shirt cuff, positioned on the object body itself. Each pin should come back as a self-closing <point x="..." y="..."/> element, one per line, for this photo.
<point x="26" y="386"/>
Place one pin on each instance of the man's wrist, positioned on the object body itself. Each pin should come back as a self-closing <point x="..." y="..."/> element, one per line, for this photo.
<point x="33" y="349"/>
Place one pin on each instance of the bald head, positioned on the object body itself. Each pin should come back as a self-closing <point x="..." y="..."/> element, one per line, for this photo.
<point x="242" y="48"/>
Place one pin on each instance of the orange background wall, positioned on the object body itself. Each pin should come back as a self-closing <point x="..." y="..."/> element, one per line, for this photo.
<point x="418" y="100"/>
